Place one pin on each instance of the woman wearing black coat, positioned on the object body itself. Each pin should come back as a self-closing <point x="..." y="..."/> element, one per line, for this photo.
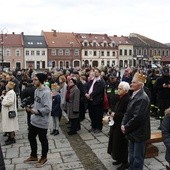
<point x="118" y="144"/>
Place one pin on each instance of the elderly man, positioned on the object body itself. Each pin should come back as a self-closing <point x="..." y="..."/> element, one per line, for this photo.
<point x="136" y="122"/>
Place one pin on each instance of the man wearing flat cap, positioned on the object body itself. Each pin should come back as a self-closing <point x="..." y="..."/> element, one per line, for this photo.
<point x="136" y="122"/>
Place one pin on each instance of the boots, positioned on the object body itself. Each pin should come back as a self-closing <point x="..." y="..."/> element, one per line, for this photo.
<point x="10" y="141"/>
<point x="52" y="133"/>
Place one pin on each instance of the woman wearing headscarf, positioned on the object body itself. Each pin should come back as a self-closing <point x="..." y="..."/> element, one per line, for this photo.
<point x="9" y="125"/>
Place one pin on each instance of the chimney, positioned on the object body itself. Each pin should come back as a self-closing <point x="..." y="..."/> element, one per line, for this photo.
<point x="54" y="32"/>
<point x="13" y="33"/>
<point x="114" y="35"/>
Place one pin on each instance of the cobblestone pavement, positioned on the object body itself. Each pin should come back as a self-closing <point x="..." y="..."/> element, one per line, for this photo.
<point x="84" y="151"/>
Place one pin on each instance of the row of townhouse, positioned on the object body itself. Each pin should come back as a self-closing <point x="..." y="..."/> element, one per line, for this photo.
<point x="64" y="50"/>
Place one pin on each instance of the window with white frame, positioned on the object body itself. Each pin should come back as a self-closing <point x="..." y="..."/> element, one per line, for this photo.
<point x="130" y="52"/>
<point x="8" y="52"/>
<point x="125" y="52"/>
<point x="113" y="53"/>
<point x="32" y="52"/>
<point x="43" y="52"/>
<point x="102" y="53"/>
<point x="53" y="52"/>
<point x="108" y="53"/>
<point x="67" y="52"/>
<point x="60" y="52"/>
<point x="76" y="52"/>
<point x="86" y="53"/>
<point x="27" y="52"/>
<point x="94" y="53"/>
<point x="37" y="52"/>
<point x="17" y="53"/>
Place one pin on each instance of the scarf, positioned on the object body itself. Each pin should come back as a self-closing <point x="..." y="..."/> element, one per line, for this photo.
<point x="68" y="93"/>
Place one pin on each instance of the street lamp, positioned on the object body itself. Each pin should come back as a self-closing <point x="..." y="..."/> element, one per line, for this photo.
<point x="2" y="46"/>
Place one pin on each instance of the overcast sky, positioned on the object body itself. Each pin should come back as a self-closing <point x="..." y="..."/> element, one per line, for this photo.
<point x="150" y="18"/>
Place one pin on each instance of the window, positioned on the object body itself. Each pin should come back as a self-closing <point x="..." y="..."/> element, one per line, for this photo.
<point x="120" y="51"/>
<point x="130" y="52"/>
<point x="94" y="44"/>
<point x="155" y="52"/>
<point x="76" y="52"/>
<point x="102" y="53"/>
<point x="113" y="53"/>
<point x="125" y="52"/>
<point x="32" y="52"/>
<point x="108" y="53"/>
<point x="17" y="53"/>
<point x="85" y="53"/>
<point x="104" y="44"/>
<point x="26" y="52"/>
<point x="8" y="52"/>
<point x="37" y="52"/>
<point x="43" y="52"/>
<point x="85" y="44"/>
<point x="60" y="52"/>
<point x="167" y="53"/>
<point x="94" y="53"/>
<point x="53" y="52"/>
<point x="67" y="52"/>
<point x="145" y="52"/>
<point x="139" y="52"/>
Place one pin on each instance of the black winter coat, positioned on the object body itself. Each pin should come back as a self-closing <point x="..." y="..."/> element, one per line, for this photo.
<point x="118" y="144"/>
<point x="97" y="95"/>
<point x="137" y="118"/>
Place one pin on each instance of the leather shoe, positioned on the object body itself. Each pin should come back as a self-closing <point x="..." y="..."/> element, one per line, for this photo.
<point x="116" y="163"/>
<point x="123" y="166"/>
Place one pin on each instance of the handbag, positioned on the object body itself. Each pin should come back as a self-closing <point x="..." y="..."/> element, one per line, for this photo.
<point x="11" y="114"/>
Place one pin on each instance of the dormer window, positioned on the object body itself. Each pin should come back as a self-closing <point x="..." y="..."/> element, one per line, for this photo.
<point x="94" y="44"/>
<point x="85" y="44"/>
<point x="104" y="44"/>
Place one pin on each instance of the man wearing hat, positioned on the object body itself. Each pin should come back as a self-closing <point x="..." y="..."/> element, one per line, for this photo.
<point x="39" y="120"/>
<point x="136" y="122"/>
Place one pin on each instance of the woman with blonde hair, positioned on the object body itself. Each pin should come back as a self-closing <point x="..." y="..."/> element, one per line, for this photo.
<point x="9" y="125"/>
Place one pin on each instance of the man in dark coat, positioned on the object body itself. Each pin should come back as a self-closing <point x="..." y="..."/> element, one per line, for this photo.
<point x="136" y="122"/>
<point x="28" y="95"/>
<point x="162" y="88"/>
<point x="95" y="97"/>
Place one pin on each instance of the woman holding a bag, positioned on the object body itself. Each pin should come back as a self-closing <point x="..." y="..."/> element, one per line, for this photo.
<point x="9" y="113"/>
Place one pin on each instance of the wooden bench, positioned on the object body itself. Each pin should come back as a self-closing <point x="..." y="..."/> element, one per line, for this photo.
<point x="152" y="150"/>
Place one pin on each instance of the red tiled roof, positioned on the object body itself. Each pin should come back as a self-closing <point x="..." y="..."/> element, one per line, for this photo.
<point x="60" y="39"/>
<point x="14" y="40"/>
<point x="91" y="37"/>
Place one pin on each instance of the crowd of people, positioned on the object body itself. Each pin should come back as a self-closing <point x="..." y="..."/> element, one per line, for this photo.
<point x="132" y="98"/>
